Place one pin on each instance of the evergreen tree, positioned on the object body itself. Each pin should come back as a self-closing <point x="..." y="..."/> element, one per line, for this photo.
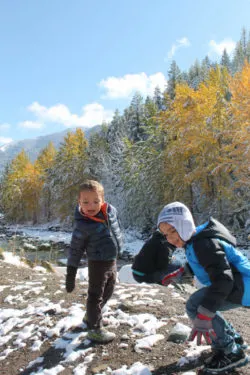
<point x="194" y="75"/>
<point x="225" y="60"/>
<point x="238" y="58"/>
<point x="150" y="108"/>
<point x="248" y="49"/>
<point x="243" y="41"/>
<point x="158" y="98"/>
<point x="135" y="117"/>
<point x="98" y="150"/>
<point x="174" y="77"/>
<point x="205" y="68"/>
<point x="143" y="176"/>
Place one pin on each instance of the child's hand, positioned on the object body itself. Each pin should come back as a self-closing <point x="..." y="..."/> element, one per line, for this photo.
<point x="70" y="278"/>
<point x="173" y="277"/>
<point x="202" y="327"/>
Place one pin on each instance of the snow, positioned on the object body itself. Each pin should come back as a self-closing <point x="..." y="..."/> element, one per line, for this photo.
<point x="44" y="235"/>
<point x="125" y="275"/>
<point x="192" y="353"/>
<point x="136" y="369"/>
<point x="12" y="259"/>
<point x="132" y="241"/>
<point x="181" y="328"/>
<point x="29" y="246"/>
<point x="32" y="326"/>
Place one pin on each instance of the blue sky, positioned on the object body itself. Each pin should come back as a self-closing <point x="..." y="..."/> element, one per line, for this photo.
<point x="72" y="63"/>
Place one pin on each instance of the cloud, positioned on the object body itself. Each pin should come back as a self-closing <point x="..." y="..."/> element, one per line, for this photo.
<point x="4" y="126"/>
<point x="5" y="140"/>
<point x="31" y="125"/>
<point x="124" y="87"/>
<point x="183" y="42"/>
<point x="218" y="48"/>
<point x="92" y="114"/>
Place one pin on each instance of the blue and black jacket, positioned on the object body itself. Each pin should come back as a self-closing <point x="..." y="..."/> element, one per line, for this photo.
<point x="211" y="253"/>
<point x="100" y="236"/>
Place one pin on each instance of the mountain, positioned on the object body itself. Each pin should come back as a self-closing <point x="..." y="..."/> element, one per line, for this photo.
<point x="33" y="146"/>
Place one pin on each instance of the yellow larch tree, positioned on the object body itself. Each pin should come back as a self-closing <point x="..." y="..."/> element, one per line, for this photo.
<point x="68" y="172"/>
<point x="240" y="127"/>
<point x="21" y="187"/>
<point x="193" y="125"/>
<point x="43" y="166"/>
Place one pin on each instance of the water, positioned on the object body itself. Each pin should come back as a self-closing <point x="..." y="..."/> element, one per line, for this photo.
<point x="16" y="245"/>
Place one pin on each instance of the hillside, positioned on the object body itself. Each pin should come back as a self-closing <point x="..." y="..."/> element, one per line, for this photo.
<point x="34" y="145"/>
<point x="42" y="330"/>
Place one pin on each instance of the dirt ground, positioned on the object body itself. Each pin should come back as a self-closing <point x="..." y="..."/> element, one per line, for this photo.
<point x="162" y="359"/>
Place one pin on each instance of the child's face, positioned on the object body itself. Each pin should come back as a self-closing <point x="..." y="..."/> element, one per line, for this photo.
<point x="171" y="234"/>
<point x="90" y="202"/>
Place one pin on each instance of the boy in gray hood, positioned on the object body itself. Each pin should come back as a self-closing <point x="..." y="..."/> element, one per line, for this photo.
<point x="225" y="273"/>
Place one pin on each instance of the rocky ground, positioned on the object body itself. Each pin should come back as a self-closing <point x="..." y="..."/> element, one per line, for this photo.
<point x="162" y="359"/>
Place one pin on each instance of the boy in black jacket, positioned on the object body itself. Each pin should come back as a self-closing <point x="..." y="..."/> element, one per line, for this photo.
<point x="153" y="263"/>
<point x="225" y="274"/>
<point x="97" y="233"/>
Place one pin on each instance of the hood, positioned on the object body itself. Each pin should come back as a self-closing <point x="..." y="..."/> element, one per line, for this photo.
<point x="78" y="215"/>
<point x="179" y="216"/>
<point x="214" y="229"/>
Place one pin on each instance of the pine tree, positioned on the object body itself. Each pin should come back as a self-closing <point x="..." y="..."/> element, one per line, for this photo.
<point x="98" y="151"/>
<point x="225" y="60"/>
<point x="238" y="58"/>
<point x="243" y="40"/>
<point x="194" y="75"/>
<point x="135" y="118"/>
<point x="248" y="49"/>
<point x="174" y="77"/>
<point x="158" y="98"/>
<point x="205" y="68"/>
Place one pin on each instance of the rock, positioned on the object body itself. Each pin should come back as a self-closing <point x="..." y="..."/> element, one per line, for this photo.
<point x="98" y="369"/>
<point x="123" y="345"/>
<point x="44" y="246"/>
<point x="54" y="228"/>
<point x="29" y="246"/>
<point x="125" y="337"/>
<point x="179" y="333"/>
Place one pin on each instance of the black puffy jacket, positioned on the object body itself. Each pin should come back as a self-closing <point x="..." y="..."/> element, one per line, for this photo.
<point x="154" y="256"/>
<point x="100" y="240"/>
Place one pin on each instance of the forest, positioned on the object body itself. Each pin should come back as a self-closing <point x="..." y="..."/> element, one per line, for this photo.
<point x="189" y="143"/>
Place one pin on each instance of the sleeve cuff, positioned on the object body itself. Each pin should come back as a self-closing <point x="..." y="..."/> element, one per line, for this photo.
<point x="202" y="310"/>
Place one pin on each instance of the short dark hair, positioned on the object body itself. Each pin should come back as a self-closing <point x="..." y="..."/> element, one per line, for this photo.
<point x="92" y="185"/>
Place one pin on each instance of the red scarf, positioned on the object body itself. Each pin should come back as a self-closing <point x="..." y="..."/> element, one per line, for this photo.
<point x="104" y="212"/>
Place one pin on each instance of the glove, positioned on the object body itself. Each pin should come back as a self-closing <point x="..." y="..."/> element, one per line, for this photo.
<point x="172" y="277"/>
<point x="202" y="326"/>
<point x="70" y="278"/>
